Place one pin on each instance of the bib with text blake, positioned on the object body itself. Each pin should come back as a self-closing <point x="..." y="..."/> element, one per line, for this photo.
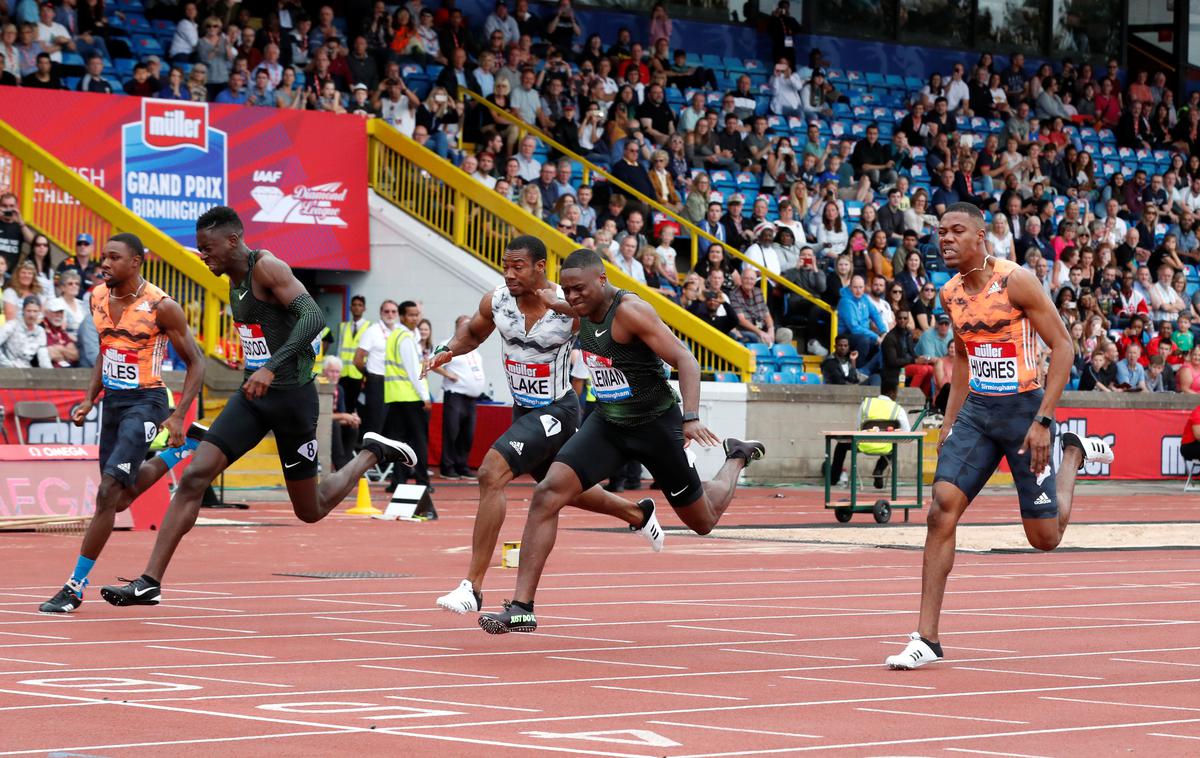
<point x="609" y="384"/>
<point x="120" y="369"/>
<point x="993" y="367"/>
<point x="529" y="383"/>
<point x="255" y="352"/>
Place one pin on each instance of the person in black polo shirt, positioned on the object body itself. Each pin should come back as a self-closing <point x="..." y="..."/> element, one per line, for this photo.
<point x="13" y="230"/>
<point x="93" y="80"/>
<point x="44" y="77"/>
<point x="873" y="159"/>
<point x="658" y="120"/>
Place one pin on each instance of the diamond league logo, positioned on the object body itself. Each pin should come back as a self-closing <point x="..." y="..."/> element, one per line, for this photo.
<point x="320" y="204"/>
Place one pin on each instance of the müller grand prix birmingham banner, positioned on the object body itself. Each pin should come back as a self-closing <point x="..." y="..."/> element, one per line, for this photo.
<point x="298" y="179"/>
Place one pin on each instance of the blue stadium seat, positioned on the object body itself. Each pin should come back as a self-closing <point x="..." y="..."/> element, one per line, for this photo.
<point x="144" y="45"/>
<point x="939" y="278"/>
<point x="808" y="377"/>
<point x="785" y="355"/>
<point x="726" y="376"/>
<point x="762" y="356"/>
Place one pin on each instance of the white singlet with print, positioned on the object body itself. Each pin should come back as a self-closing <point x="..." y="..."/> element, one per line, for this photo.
<point x="537" y="363"/>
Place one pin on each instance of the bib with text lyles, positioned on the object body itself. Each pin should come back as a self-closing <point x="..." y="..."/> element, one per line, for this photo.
<point x="530" y="383"/>
<point x="993" y="367"/>
<point x="120" y="370"/>
<point x="609" y="384"/>
<point x="255" y="352"/>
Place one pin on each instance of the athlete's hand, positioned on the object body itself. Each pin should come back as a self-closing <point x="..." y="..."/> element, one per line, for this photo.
<point x="694" y="431"/>
<point x="174" y="427"/>
<point x="1037" y="442"/>
<point x="80" y="412"/>
<point x="258" y="383"/>
<point x="434" y="361"/>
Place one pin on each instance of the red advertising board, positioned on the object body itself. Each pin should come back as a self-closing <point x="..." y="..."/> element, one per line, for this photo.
<point x="298" y="179"/>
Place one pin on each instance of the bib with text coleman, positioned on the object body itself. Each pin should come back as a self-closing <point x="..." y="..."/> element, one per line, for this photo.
<point x="609" y="384"/>
<point x="530" y="383"/>
<point x="993" y="367"/>
<point x="255" y="352"/>
<point x="120" y="369"/>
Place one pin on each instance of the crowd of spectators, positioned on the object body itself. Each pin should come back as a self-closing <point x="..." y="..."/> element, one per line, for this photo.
<point x="837" y="205"/>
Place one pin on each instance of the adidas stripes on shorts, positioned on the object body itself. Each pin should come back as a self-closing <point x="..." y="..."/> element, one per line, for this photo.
<point x="991" y="427"/>
<point x="129" y="423"/>
<point x="537" y="434"/>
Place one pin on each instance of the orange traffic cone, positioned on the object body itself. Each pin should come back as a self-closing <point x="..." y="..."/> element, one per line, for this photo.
<point x="362" y="504"/>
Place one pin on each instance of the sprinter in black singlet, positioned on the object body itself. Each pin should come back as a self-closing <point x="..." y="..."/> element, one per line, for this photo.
<point x="278" y="322"/>
<point x="637" y="417"/>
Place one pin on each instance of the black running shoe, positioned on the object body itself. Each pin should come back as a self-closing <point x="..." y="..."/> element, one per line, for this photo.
<point x="511" y="619"/>
<point x="67" y="600"/>
<point x="747" y="450"/>
<point x="388" y="450"/>
<point x="196" y="431"/>
<point x="140" y="591"/>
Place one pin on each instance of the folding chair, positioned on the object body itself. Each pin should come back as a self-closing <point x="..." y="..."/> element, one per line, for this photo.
<point x="33" y="411"/>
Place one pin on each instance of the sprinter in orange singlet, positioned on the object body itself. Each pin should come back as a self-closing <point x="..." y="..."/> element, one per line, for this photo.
<point x="997" y="408"/>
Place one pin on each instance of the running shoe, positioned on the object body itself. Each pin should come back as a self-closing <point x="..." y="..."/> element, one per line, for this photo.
<point x="67" y="600"/>
<point x="140" y="591"/>
<point x="511" y="619"/>
<point x="463" y="599"/>
<point x="748" y="450"/>
<point x="650" y="531"/>
<point x="916" y="654"/>
<point x="389" y="451"/>
<point x="1094" y="449"/>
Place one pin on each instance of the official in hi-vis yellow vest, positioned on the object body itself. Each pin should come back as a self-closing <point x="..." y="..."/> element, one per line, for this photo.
<point x="348" y="335"/>
<point x="881" y="408"/>
<point x="405" y="395"/>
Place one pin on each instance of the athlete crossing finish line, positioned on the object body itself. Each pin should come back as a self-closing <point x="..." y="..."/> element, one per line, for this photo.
<point x="278" y="322"/>
<point x="638" y="417"/>
<point x="538" y="330"/>
<point x="996" y="409"/>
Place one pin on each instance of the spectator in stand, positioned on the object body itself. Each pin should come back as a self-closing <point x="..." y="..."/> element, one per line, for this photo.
<point x="873" y="160"/>
<point x="785" y="87"/>
<point x="839" y="368"/>
<point x="44" y="76"/>
<point x="862" y="323"/>
<point x="832" y="235"/>
<point x="934" y="342"/>
<point x="899" y="357"/>
<point x="187" y="36"/>
<point x="754" y="319"/>
<point x="630" y="171"/>
<point x="82" y="262"/>
<point x="235" y="93"/>
<point x="1188" y="375"/>
<point x="1099" y="375"/>
<point x="23" y="284"/>
<point x="54" y="36"/>
<point x="13" y="231"/>
<point x="1133" y="130"/>
<point x="398" y="106"/>
<point x="270" y="63"/>
<point x="261" y="93"/>
<point x="1131" y="376"/>
<point x="23" y="340"/>
<point x="438" y="111"/>
<point x="500" y="21"/>
<point x="216" y="50"/>
<point x="458" y="76"/>
<point x="945" y="195"/>
<point x="717" y="314"/>
<point x="814" y="102"/>
<point x="60" y="345"/>
<point x="563" y="28"/>
<point x="10" y="56"/>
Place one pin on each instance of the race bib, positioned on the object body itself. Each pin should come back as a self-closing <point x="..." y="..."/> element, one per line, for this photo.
<point x="255" y="352"/>
<point x="120" y="369"/>
<point x="529" y="383"/>
<point x="993" y="367"/>
<point x="609" y="384"/>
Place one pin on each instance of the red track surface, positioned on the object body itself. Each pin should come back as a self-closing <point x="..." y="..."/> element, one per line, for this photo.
<point x="714" y="647"/>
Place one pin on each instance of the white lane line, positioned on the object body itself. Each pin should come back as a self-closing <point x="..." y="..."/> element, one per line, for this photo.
<point x="1160" y="663"/>
<point x="864" y="684"/>
<point x="214" y="679"/>
<point x="1120" y="705"/>
<point x="212" y="652"/>
<point x="732" y="631"/>
<point x="565" y="618"/>
<point x="789" y="655"/>
<point x="942" y="716"/>
<point x="1030" y="673"/>
<point x="616" y="663"/>
<point x="198" y="741"/>
<point x="991" y="752"/>
<point x="1176" y="736"/>
<point x="465" y="705"/>
<point x="346" y="602"/>
<point x="735" y="729"/>
<point x="35" y="636"/>
<point x="578" y="637"/>
<point x="177" y="588"/>
<point x="424" y="671"/>
<point x="37" y="663"/>
<point x="397" y="644"/>
<point x="173" y="606"/>
<point x="47" y="705"/>
<point x="205" y="628"/>
<point x="972" y="649"/>
<point x="371" y="621"/>
<point x="666" y="692"/>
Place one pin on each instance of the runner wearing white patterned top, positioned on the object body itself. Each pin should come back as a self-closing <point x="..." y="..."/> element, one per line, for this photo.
<point x="538" y="331"/>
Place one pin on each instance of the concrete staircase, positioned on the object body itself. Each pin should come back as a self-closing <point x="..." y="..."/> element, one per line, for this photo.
<point x="260" y="467"/>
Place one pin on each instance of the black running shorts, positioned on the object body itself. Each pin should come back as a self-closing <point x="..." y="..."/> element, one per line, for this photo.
<point x="600" y="446"/>
<point x="290" y="413"/>
<point x="991" y="427"/>
<point x="129" y="423"/>
<point x="537" y="434"/>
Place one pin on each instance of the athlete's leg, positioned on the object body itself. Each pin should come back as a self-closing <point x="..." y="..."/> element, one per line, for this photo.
<point x="313" y="499"/>
<point x="207" y="463"/>
<point x="557" y="490"/>
<point x="949" y="503"/>
<point x="599" y="500"/>
<point x="702" y="515"/>
<point x="494" y="476"/>
<point x="111" y="499"/>
<point x="1045" y="528"/>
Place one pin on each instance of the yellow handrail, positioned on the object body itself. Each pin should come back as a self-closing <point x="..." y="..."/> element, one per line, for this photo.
<point x="694" y="231"/>
<point x="61" y="204"/>
<point x="480" y="222"/>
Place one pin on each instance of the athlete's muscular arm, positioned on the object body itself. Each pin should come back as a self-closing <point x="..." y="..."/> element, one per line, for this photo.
<point x="172" y="321"/>
<point x="1026" y="293"/>
<point x="960" y="377"/>
<point x="552" y="301"/>
<point x="473" y="333"/>
<point x="281" y="285"/>
<point x="637" y="318"/>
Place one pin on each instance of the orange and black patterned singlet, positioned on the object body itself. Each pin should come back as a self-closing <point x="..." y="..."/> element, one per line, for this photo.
<point x="133" y="349"/>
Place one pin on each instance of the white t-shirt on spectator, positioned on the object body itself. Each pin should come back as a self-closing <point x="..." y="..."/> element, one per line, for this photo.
<point x="1190" y="201"/>
<point x="47" y="34"/>
<point x="185" y="39"/>
<point x="767" y="257"/>
<point x="1002" y="247"/>
<point x="785" y="93"/>
<point x="633" y="268"/>
<point x="469" y="377"/>
<point x="957" y="93"/>
<point x="1167" y="296"/>
<point x="399" y="114"/>
<point x="485" y="180"/>
<point x="374" y="343"/>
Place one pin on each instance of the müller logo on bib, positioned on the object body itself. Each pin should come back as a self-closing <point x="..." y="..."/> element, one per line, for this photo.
<point x="169" y="124"/>
<point x="993" y="366"/>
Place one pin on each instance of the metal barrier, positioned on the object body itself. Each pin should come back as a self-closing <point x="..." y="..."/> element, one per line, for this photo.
<point x="480" y="222"/>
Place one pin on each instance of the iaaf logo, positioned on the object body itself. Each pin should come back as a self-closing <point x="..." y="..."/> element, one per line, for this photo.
<point x="1079" y="427"/>
<point x="168" y="124"/>
<point x="305" y="205"/>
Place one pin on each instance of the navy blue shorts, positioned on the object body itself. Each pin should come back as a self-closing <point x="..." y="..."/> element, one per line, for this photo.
<point x="537" y="434"/>
<point x="988" y="428"/>
<point x="131" y="419"/>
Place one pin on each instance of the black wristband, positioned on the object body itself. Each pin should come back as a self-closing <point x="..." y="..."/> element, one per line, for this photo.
<point x="690" y="416"/>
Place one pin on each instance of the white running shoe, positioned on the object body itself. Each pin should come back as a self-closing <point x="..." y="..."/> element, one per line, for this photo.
<point x="916" y="654"/>
<point x="1094" y="448"/>
<point x="844" y="480"/>
<point x="463" y="599"/>
<point x="652" y="532"/>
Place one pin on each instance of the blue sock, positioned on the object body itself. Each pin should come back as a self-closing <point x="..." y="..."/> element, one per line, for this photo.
<point x="173" y="455"/>
<point x="83" y="567"/>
